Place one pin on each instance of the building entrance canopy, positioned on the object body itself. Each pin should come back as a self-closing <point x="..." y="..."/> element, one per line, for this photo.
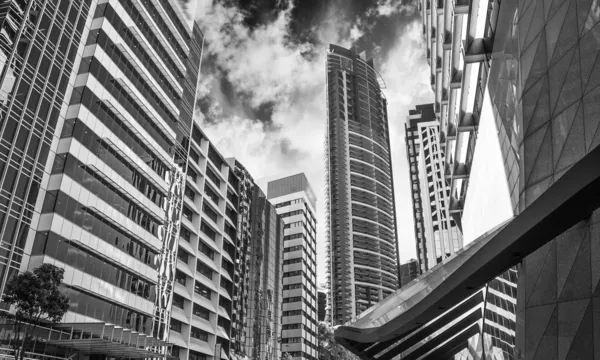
<point x="95" y="338"/>
<point x="438" y="293"/>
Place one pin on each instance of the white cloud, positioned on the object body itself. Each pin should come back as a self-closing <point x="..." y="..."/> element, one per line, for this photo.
<point x="356" y="33"/>
<point x="391" y="7"/>
<point x="266" y="68"/>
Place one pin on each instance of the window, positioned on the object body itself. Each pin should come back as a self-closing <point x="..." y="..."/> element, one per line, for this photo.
<point x="191" y="173"/>
<point x="194" y="155"/>
<point x="190" y="193"/>
<point x="180" y="277"/>
<point x="176" y="325"/>
<point x="185" y="234"/>
<point x="199" y="334"/>
<point x="203" y="269"/>
<point x="215" y="158"/>
<point x="202" y="290"/>
<point x="182" y="255"/>
<point x="213" y="177"/>
<point x="211" y="194"/>
<point x="201" y="311"/>
<point x="208" y="231"/>
<point x="209" y="212"/>
<point x="231" y="214"/>
<point x="197" y="356"/>
<point x="178" y="301"/>
<point x="206" y="250"/>
<point x="187" y="213"/>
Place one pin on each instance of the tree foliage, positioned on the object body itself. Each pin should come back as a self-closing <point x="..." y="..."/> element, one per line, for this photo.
<point x="36" y="297"/>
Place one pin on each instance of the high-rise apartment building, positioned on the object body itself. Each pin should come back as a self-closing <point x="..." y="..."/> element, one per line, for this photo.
<point x="295" y="202"/>
<point x="409" y="271"/>
<point x="259" y="265"/>
<point x="361" y="221"/>
<point x="437" y="234"/>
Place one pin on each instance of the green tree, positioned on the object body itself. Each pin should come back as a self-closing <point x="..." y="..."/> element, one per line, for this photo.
<point x="36" y="297"/>
<point x="327" y="342"/>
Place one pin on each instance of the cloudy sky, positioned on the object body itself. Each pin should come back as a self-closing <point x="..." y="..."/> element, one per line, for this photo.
<point x="262" y="91"/>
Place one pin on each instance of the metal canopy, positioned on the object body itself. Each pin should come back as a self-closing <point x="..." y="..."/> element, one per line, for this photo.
<point x="108" y="339"/>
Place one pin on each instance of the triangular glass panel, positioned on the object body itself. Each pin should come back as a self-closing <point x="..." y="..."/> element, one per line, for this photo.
<point x="561" y="126"/>
<point x="534" y="330"/>
<point x="527" y="60"/>
<point x="533" y="265"/>
<point x="540" y="65"/>
<point x="557" y="75"/>
<point x="548" y="347"/>
<point x="553" y="28"/>
<point x="568" y="35"/>
<point x="589" y="46"/>
<point x="531" y="146"/>
<point x="529" y="101"/>
<point x="593" y="77"/>
<point x="541" y="114"/>
<point x="547" y="6"/>
<point x="571" y="89"/>
<point x="591" y="107"/>
<point x="579" y="280"/>
<point x="567" y="247"/>
<point x="555" y="6"/>
<point x="583" y="9"/>
<point x="595" y="141"/>
<point x="569" y="317"/>
<point x="595" y="255"/>
<point x="581" y="347"/>
<point x="592" y="19"/>
<point x="525" y="21"/>
<point x="574" y="146"/>
<point x="543" y="162"/>
<point x="536" y="25"/>
<point x="545" y="286"/>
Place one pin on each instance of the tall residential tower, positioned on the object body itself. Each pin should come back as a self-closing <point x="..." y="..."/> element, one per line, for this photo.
<point x="295" y="202"/>
<point x="437" y="234"/>
<point x="361" y="228"/>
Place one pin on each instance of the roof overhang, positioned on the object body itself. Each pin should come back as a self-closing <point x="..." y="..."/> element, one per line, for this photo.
<point x="570" y="199"/>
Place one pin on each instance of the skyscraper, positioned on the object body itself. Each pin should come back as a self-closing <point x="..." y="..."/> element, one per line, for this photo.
<point x="295" y="202"/>
<point x="436" y="232"/>
<point x="361" y="221"/>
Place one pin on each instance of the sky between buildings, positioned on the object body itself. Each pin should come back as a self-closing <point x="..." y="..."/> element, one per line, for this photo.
<point x="262" y="87"/>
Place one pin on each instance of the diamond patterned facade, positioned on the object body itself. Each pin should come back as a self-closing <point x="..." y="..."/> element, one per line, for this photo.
<point x="517" y="85"/>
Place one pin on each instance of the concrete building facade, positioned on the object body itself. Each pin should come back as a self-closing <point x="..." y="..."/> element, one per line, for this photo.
<point x="295" y="202"/>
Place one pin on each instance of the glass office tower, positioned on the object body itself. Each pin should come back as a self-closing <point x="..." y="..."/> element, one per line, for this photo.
<point x="295" y="202"/>
<point x="361" y="218"/>
<point x="40" y="46"/>
<point x="258" y="289"/>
